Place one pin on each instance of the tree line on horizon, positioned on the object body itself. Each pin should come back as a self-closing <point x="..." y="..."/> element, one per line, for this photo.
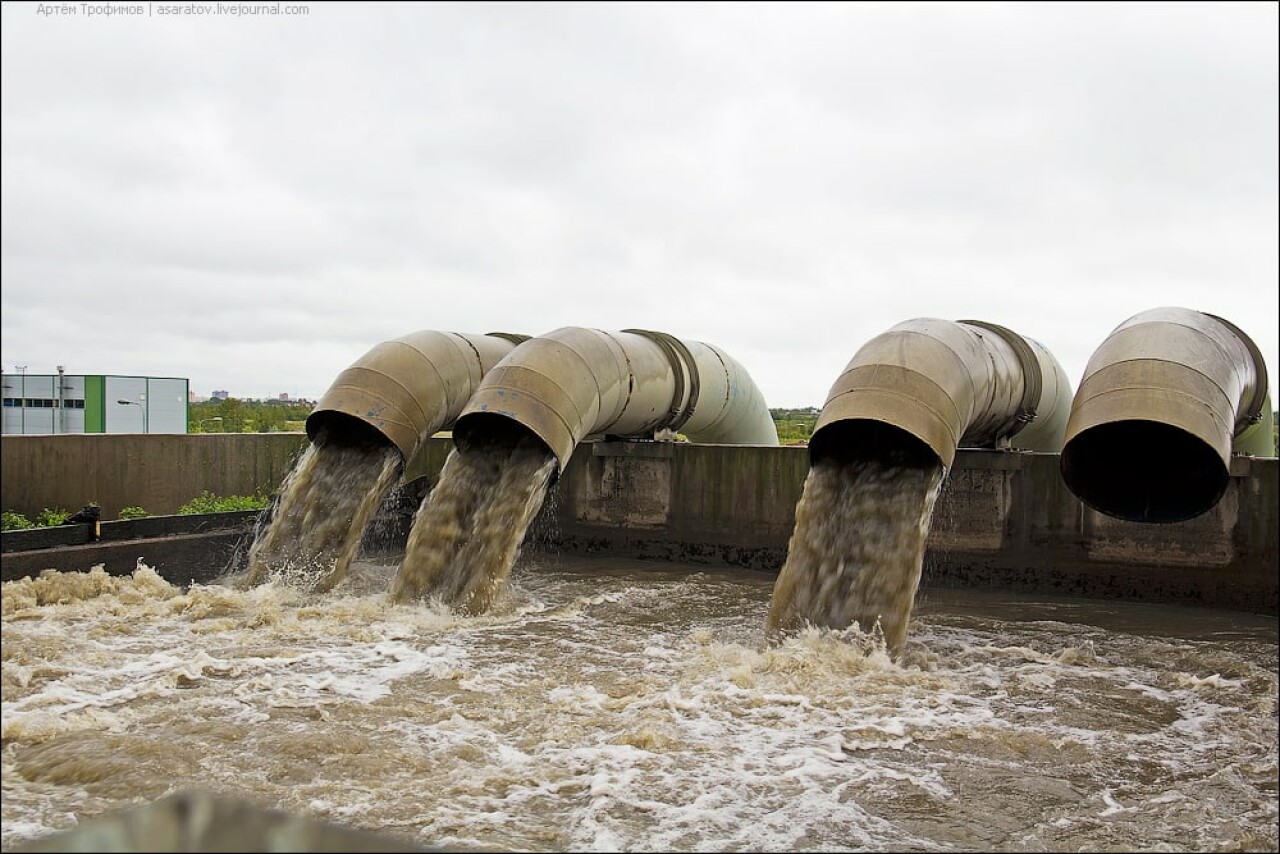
<point x="233" y="415"/>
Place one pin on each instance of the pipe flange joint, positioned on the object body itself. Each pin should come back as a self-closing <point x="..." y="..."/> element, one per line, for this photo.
<point x="1250" y="413"/>
<point x="681" y="360"/>
<point x="514" y="337"/>
<point x="1032" y="381"/>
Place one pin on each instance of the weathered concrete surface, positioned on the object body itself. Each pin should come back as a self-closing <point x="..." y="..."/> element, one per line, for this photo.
<point x="182" y="549"/>
<point x="1037" y="537"/>
<point x="185" y="549"/>
<point x="159" y="473"/>
<point x="181" y="560"/>
<point x="1004" y="521"/>
<point x="124" y="529"/>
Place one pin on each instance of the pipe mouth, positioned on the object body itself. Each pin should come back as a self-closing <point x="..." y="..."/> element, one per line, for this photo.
<point x="1144" y="471"/>
<point x="330" y="427"/>
<point x="490" y="431"/>
<point x="866" y="439"/>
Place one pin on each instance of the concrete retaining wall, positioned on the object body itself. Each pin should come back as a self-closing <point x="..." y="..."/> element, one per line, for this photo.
<point x="159" y="473"/>
<point x="1004" y="521"/>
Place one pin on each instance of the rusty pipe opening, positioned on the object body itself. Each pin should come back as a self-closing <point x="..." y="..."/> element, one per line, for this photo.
<point x="1144" y="471"/>
<point x="1157" y="416"/>
<point x="859" y="439"/>
<point x="948" y="384"/>
<point x="490" y="431"/>
<point x="327" y="426"/>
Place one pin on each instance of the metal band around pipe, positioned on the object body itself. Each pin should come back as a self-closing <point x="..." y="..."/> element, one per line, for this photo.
<point x="1159" y="413"/>
<point x="1032" y="383"/>
<point x="574" y="382"/>
<point x="1251" y="412"/>
<point x="681" y="362"/>
<point x="514" y="337"/>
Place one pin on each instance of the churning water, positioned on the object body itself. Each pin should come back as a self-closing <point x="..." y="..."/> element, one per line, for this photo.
<point x="621" y="705"/>
<point x="857" y="549"/>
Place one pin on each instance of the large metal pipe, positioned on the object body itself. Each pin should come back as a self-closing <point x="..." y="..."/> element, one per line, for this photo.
<point x="574" y="383"/>
<point x="1164" y="402"/>
<point x="407" y="389"/>
<point x="928" y="386"/>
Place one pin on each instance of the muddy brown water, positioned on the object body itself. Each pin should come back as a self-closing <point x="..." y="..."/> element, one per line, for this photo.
<point x="466" y="697"/>
<point x="605" y="704"/>
<point x="857" y="551"/>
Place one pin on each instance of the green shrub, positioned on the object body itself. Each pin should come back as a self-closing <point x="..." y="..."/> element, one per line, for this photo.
<point x="133" y="513"/>
<point x="51" y="518"/>
<point x="16" y="521"/>
<point x="207" y="502"/>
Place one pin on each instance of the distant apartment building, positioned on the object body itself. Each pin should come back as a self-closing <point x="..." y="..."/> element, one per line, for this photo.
<point x="219" y="394"/>
<point x="42" y="404"/>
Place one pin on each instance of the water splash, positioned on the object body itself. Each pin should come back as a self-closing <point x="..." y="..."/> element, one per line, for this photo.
<point x="467" y="534"/>
<point x="857" y="548"/>
<point x="629" y="705"/>
<point x="325" y="504"/>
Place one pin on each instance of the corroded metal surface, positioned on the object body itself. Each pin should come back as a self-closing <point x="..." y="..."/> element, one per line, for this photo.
<point x="1165" y="401"/>
<point x="948" y="384"/>
<point x="574" y="383"/>
<point x="410" y="387"/>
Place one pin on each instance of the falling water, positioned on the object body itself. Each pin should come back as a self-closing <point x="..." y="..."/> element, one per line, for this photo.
<point x="325" y="504"/>
<point x="857" y="548"/>
<point x="467" y="534"/>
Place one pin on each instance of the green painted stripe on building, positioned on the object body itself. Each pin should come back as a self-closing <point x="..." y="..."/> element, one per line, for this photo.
<point x="95" y="409"/>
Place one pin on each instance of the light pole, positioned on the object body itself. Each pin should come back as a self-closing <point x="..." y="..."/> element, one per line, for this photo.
<point x="61" y="416"/>
<point x="200" y="424"/>
<point x="22" y="369"/>
<point x="124" y="402"/>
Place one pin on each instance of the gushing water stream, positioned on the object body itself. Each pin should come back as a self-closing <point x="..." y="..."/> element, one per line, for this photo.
<point x="467" y="534"/>
<point x="857" y="549"/>
<point x="325" y="504"/>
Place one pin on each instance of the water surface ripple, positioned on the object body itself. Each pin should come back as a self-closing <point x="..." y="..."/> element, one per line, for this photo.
<point x="621" y="705"/>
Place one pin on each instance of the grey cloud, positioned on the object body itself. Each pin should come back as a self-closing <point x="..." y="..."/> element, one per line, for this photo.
<point x="782" y="180"/>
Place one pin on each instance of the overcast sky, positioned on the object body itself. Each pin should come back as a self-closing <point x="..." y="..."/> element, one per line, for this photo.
<point x="253" y="202"/>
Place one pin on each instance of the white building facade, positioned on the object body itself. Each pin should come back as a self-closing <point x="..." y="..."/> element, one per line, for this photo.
<point x="42" y="404"/>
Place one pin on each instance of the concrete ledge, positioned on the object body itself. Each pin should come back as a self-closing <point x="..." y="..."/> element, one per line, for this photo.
<point x="180" y="560"/>
<point x="59" y="536"/>
<point x="186" y="549"/>
<point x="720" y="555"/>
<point x="1004" y="520"/>
<point x="31" y="539"/>
<point x="651" y="450"/>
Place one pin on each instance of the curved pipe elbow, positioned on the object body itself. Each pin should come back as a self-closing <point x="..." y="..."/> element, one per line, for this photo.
<point x="926" y="387"/>
<point x="1164" y="402"/>
<point x="574" y="382"/>
<point x="404" y="390"/>
<point x="729" y="408"/>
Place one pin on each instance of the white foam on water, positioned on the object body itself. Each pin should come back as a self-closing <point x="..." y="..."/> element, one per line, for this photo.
<point x="582" y="716"/>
